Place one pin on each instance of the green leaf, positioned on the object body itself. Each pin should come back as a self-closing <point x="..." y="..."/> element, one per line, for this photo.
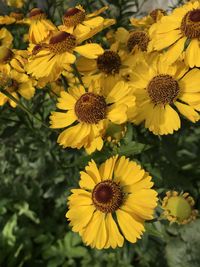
<point x="8" y="231"/>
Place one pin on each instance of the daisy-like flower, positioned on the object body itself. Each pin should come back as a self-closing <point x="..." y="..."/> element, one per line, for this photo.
<point x="40" y="27"/>
<point x="16" y="84"/>
<point x="13" y="17"/>
<point x="179" y="208"/>
<point x="108" y="68"/>
<point x="133" y="41"/>
<point x="6" y="37"/>
<point x="146" y="22"/>
<point x="179" y="32"/>
<point x="82" y="25"/>
<point x="12" y="59"/>
<point x="119" y="190"/>
<point x="161" y="89"/>
<point x="89" y="112"/>
<point x="51" y="59"/>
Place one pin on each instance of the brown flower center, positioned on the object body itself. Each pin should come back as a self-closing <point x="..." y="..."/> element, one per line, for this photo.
<point x="155" y="13"/>
<point x="109" y="62"/>
<point x="139" y="39"/>
<point x="62" y="42"/>
<point x="163" y="89"/>
<point x="190" y="25"/>
<point x="73" y="16"/>
<point x="5" y="55"/>
<point x="107" y="196"/>
<point x="90" y="108"/>
<point x="36" y="14"/>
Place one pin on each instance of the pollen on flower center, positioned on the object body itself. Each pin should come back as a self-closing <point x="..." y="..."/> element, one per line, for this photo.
<point x="73" y="16"/>
<point x="62" y="42"/>
<point x="109" y="62"/>
<point x="138" y="38"/>
<point x="107" y="196"/>
<point x="36" y="14"/>
<point x="190" y="25"/>
<point x="163" y="89"/>
<point x="90" y="108"/>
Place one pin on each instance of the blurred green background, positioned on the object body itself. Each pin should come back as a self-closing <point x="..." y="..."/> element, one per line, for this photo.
<point x="36" y="176"/>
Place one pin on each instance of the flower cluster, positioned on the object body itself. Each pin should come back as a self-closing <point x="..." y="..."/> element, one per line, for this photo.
<point x="147" y="74"/>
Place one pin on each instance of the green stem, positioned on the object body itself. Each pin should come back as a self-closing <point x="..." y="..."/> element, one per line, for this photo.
<point x="23" y="107"/>
<point x="78" y="74"/>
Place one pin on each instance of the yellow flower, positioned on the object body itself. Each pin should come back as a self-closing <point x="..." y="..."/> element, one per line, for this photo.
<point x="40" y="27"/>
<point x="119" y="190"/>
<point x="108" y="68"/>
<point x="13" y="17"/>
<point x="50" y="60"/>
<point x="16" y="84"/>
<point x="15" y="3"/>
<point x="12" y="59"/>
<point x="179" y="207"/>
<point x="6" y="37"/>
<point x="90" y="110"/>
<point x="161" y="89"/>
<point x="145" y="22"/>
<point x="82" y="25"/>
<point x="179" y="32"/>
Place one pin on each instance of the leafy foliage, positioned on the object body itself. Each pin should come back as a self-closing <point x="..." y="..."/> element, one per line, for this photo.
<point x="36" y="176"/>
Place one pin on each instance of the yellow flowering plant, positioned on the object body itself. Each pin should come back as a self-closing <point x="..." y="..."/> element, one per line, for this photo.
<point x="99" y="136"/>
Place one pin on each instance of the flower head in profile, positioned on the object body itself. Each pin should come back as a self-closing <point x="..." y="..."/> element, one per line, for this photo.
<point x="77" y="22"/>
<point x="179" y="32"/>
<point x="6" y="37"/>
<point x="13" y="17"/>
<point x="40" y="27"/>
<point x="12" y="59"/>
<point x="112" y="203"/>
<point x="161" y="90"/>
<point x="179" y="208"/>
<point x="146" y="21"/>
<point x="50" y="59"/>
<point x="16" y="84"/>
<point x="86" y="113"/>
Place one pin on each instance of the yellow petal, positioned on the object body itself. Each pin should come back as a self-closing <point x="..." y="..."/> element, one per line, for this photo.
<point x="66" y="101"/>
<point x="86" y="181"/>
<point x="61" y="120"/>
<point x="192" y="54"/>
<point x="174" y="52"/>
<point x="106" y="169"/>
<point x="187" y="111"/>
<point x="93" y="171"/>
<point x="131" y="229"/>
<point x="117" y="114"/>
<point x="190" y="83"/>
<point x="90" y="50"/>
<point x="115" y="239"/>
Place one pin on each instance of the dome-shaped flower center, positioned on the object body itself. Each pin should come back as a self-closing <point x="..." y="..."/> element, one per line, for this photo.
<point x="190" y="25"/>
<point x="5" y="54"/>
<point x="109" y="62"/>
<point x="163" y="89"/>
<point x="107" y="196"/>
<point x="62" y="42"/>
<point x="73" y="16"/>
<point x="36" y="14"/>
<point x="90" y="108"/>
<point x="179" y="207"/>
<point x="139" y="39"/>
<point x="156" y="12"/>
